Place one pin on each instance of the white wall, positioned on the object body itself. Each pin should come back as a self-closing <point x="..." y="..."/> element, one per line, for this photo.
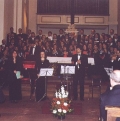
<point x="32" y="15"/>
<point x="113" y="18"/>
<point x="8" y="16"/>
<point x="17" y="15"/>
<point x="1" y="20"/>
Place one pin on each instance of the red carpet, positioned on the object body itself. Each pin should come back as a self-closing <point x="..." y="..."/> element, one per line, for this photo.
<point x="77" y="108"/>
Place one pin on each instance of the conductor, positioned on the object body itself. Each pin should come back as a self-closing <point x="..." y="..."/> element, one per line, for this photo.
<point x="80" y="61"/>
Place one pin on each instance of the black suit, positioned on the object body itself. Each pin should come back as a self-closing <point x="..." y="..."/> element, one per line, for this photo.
<point x="23" y="36"/>
<point x="79" y="75"/>
<point x="39" y="37"/>
<point x="31" y="40"/>
<point x="32" y="72"/>
<point x="9" y="38"/>
<point x="36" y="54"/>
<point x="60" y="37"/>
<point x="110" y="98"/>
<point x="80" y="37"/>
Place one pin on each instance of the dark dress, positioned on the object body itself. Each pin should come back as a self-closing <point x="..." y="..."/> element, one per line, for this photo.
<point x="14" y="83"/>
<point x="41" y="82"/>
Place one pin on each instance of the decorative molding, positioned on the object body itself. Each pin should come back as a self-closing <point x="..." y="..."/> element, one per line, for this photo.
<point x="99" y="20"/>
<point x="50" y="19"/>
<point x="76" y="19"/>
<point x="65" y="20"/>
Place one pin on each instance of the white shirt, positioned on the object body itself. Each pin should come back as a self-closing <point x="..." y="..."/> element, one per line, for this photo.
<point x="79" y="56"/>
<point x="78" y="59"/>
<point x="50" y="37"/>
<point x="33" y="51"/>
<point x="33" y="38"/>
<point x="112" y="35"/>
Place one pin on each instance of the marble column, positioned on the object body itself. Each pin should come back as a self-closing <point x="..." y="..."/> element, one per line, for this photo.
<point x="1" y="20"/>
<point x="113" y="15"/>
<point x="118" y="17"/>
<point x="17" y="18"/>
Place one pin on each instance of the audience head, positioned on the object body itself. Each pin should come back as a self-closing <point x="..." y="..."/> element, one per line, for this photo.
<point x="11" y="29"/>
<point x="20" y="30"/>
<point x="111" y="31"/>
<point x="115" y="78"/>
<point x="78" y="49"/>
<point x="3" y="41"/>
<point x="93" y="31"/>
<point x="28" y="31"/>
<point x="49" y="33"/>
<point x="42" y="55"/>
<point x="81" y="31"/>
<point x="40" y="32"/>
<point x="14" y="54"/>
<point x="32" y="34"/>
<point x="61" y="31"/>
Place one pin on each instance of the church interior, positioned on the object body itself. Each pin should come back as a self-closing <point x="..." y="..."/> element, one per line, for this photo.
<point x="56" y="30"/>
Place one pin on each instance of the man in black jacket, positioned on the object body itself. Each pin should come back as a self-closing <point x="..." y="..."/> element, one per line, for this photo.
<point x="33" y="56"/>
<point x="81" y="36"/>
<point x="112" y="96"/>
<point x="80" y="61"/>
<point x="34" y="52"/>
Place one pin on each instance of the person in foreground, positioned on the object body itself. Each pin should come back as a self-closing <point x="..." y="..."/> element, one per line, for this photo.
<point x="112" y="96"/>
<point x="41" y="81"/>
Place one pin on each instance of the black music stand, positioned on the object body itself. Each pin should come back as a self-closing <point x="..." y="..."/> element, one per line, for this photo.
<point x="108" y="70"/>
<point x="45" y="72"/>
<point x="66" y="71"/>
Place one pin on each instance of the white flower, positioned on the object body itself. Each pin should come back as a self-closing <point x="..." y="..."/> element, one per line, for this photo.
<point x="56" y="94"/>
<point x="54" y="111"/>
<point x="65" y="104"/>
<point x="64" y="111"/>
<point x="58" y="102"/>
<point x="60" y="110"/>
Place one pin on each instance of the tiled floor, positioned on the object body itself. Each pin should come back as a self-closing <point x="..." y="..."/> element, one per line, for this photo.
<point x="26" y="110"/>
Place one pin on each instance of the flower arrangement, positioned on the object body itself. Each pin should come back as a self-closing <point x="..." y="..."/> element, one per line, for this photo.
<point x="61" y="103"/>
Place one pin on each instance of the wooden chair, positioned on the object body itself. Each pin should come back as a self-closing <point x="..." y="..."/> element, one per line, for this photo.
<point x="28" y="65"/>
<point x="112" y="113"/>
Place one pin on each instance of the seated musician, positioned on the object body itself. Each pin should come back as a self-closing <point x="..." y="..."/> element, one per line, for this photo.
<point x="112" y="96"/>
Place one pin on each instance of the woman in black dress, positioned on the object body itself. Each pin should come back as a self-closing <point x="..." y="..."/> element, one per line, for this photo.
<point x="41" y="82"/>
<point x="14" y="67"/>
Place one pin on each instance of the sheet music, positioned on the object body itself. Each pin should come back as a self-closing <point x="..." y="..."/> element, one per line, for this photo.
<point x="67" y="69"/>
<point x="18" y="74"/>
<point x="108" y="70"/>
<point x="91" y="61"/>
<point x="46" y="72"/>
